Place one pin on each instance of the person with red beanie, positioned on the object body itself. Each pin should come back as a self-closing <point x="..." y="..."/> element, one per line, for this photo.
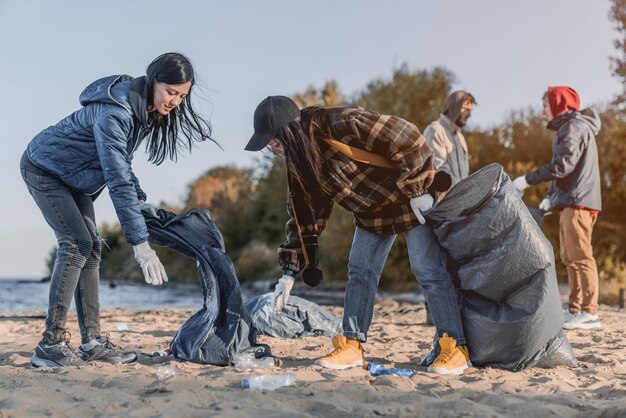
<point x="575" y="193"/>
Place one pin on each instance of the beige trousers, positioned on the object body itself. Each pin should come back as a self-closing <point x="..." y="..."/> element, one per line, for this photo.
<point x="575" y="228"/>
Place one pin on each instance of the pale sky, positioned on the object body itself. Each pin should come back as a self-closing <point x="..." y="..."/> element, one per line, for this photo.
<point x="506" y="53"/>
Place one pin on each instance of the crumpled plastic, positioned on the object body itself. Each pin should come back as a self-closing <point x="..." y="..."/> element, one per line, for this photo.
<point x="299" y="318"/>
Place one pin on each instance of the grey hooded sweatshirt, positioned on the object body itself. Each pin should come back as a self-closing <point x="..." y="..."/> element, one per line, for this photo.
<point x="574" y="169"/>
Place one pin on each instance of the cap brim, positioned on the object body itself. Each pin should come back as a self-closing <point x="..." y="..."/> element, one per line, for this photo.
<point x="260" y="141"/>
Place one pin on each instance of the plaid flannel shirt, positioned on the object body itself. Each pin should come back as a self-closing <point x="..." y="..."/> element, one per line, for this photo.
<point x="377" y="197"/>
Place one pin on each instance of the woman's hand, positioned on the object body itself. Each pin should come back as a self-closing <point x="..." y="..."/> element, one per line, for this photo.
<point x="153" y="270"/>
<point x="147" y="207"/>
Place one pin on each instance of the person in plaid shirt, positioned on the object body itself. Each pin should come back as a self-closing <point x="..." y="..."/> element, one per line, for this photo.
<point x="385" y="201"/>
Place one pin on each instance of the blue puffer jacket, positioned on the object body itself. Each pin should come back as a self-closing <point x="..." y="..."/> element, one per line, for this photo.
<point x="93" y="148"/>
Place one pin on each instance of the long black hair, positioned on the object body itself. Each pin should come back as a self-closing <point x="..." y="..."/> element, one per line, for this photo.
<point x="302" y="152"/>
<point x="162" y="130"/>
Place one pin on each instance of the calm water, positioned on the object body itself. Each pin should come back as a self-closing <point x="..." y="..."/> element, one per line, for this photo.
<point x="21" y="295"/>
<point x="24" y="295"/>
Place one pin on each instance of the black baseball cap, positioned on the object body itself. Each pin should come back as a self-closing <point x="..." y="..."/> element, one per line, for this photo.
<point x="271" y="114"/>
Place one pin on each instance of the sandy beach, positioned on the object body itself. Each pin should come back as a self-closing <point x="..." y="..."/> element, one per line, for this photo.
<point x="398" y="337"/>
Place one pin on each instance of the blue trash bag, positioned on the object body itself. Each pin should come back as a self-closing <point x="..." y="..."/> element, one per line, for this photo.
<point x="222" y="327"/>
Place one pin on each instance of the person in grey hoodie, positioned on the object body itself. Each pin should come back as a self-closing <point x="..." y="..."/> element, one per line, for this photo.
<point x="575" y="193"/>
<point x="67" y="165"/>
<point x="445" y="139"/>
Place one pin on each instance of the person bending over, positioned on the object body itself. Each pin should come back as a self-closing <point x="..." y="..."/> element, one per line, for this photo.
<point x="67" y="165"/>
<point x="333" y="156"/>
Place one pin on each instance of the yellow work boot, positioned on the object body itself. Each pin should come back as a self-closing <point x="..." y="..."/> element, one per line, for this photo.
<point x="452" y="359"/>
<point x="350" y="354"/>
<point x="339" y="340"/>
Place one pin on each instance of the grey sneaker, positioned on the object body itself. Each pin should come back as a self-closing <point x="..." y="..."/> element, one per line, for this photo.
<point x="567" y="315"/>
<point x="106" y="351"/>
<point x="583" y="320"/>
<point x="60" y="354"/>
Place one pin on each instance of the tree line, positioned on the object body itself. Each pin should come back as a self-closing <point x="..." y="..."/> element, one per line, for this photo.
<point x="249" y="205"/>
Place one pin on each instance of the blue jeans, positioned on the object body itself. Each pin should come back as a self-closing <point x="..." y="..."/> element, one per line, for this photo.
<point x="429" y="265"/>
<point x="71" y="216"/>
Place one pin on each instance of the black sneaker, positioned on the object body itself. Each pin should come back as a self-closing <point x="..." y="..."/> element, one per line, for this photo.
<point x="56" y="355"/>
<point x="106" y="351"/>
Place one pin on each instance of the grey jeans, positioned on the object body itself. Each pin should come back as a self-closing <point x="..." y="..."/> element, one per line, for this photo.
<point x="71" y="216"/>
<point x="429" y="264"/>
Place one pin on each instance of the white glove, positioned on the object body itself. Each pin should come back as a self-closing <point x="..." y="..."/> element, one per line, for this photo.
<point x="421" y="203"/>
<point x="153" y="270"/>
<point x="545" y="205"/>
<point x="147" y="207"/>
<point x="281" y="292"/>
<point x="520" y="183"/>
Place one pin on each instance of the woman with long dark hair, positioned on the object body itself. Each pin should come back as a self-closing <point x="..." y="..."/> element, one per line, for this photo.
<point x="379" y="168"/>
<point x="67" y="165"/>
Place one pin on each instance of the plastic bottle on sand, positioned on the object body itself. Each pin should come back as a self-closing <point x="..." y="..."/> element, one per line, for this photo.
<point x="249" y="361"/>
<point x="268" y="381"/>
<point x="377" y="369"/>
<point x="166" y="372"/>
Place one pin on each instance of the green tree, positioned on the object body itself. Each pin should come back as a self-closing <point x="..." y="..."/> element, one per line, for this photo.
<point x="260" y="225"/>
<point x="268" y="211"/>
<point x="416" y="96"/>
<point x="618" y="15"/>
<point x="328" y="95"/>
<point x="520" y="144"/>
<point x="227" y="192"/>
<point x="118" y="263"/>
<point x="52" y="258"/>
<point x="611" y="150"/>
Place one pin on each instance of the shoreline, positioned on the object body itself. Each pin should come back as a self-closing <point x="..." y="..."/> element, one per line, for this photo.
<point x="397" y="338"/>
<point x="33" y="295"/>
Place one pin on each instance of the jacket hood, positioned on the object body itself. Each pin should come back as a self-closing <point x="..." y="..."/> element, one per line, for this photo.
<point x="562" y="99"/>
<point x="592" y="118"/>
<point x="589" y="116"/>
<point x="110" y="90"/>
<point x="138" y="99"/>
<point x="453" y="104"/>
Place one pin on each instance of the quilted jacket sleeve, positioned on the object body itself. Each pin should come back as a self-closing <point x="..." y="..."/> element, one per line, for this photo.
<point x="141" y="195"/>
<point x="112" y="130"/>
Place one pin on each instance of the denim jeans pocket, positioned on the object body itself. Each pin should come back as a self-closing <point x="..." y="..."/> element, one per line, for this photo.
<point x="30" y="179"/>
<point x="47" y="182"/>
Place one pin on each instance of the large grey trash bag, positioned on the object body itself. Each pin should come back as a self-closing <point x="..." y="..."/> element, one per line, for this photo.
<point x="510" y="306"/>
<point x="299" y="318"/>
<point x="222" y="328"/>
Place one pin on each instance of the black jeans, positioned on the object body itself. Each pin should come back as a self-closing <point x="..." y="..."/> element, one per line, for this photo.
<point x="71" y="216"/>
